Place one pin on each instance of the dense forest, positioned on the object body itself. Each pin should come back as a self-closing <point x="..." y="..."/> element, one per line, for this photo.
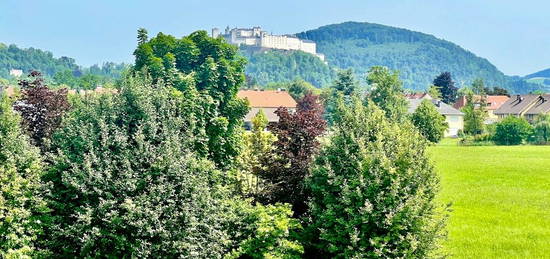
<point x="61" y="71"/>
<point x="283" y="66"/>
<point x="419" y="57"/>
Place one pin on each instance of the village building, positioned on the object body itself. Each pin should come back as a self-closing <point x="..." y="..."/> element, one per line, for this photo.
<point x="8" y="90"/>
<point x="528" y="106"/>
<point x="16" y="72"/>
<point x="453" y="117"/>
<point x="256" y="38"/>
<point x="493" y="103"/>
<point x="268" y="101"/>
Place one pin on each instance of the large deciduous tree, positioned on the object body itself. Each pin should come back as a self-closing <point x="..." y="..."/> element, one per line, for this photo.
<point x="294" y="149"/>
<point x="387" y="92"/>
<point x="447" y="87"/>
<point x="21" y="203"/>
<point x="214" y="68"/>
<point x="373" y="189"/>
<point x="126" y="182"/>
<point x="41" y="108"/>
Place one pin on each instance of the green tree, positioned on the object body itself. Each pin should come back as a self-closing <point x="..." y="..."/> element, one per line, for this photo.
<point x="298" y="88"/>
<point x="478" y="86"/>
<point x="268" y="232"/>
<point x="345" y="82"/>
<point x="21" y="203"/>
<point x="447" y="87"/>
<point x="541" y="127"/>
<point x="344" y="85"/>
<point x="126" y="181"/>
<point x="373" y="189"/>
<point x="434" y="92"/>
<point x="475" y="113"/>
<point x="215" y="69"/>
<point x="512" y="131"/>
<point x="387" y="92"/>
<point x="258" y="145"/>
<point x="429" y="121"/>
<point x="142" y="36"/>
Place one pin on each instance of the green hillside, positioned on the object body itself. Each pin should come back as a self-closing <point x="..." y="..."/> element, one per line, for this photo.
<point x="541" y="74"/>
<point x="283" y="66"/>
<point x="419" y="57"/>
<point x="12" y="57"/>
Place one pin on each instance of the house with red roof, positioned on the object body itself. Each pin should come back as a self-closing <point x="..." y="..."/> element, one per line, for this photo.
<point x="493" y="103"/>
<point x="268" y="101"/>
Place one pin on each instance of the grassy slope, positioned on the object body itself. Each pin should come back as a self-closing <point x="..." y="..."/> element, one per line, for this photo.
<point x="501" y="200"/>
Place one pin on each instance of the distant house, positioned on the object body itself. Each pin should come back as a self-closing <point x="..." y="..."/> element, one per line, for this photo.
<point x="453" y="117"/>
<point x="8" y="90"/>
<point x="16" y="72"/>
<point x="527" y="106"/>
<point x="493" y="103"/>
<point x="268" y="101"/>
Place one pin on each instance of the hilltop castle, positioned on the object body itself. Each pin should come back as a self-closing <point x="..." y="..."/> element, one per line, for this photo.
<point x="255" y="37"/>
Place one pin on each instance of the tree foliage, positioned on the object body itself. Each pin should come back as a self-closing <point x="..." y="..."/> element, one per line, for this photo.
<point x="429" y="121"/>
<point x="345" y="85"/>
<point x="447" y="87"/>
<point x="295" y="146"/>
<point x="283" y="66"/>
<point x="475" y="113"/>
<point x="21" y="203"/>
<point x="213" y="67"/>
<point x="387" y="92"/>
<point x="126" y="182"/>
<point x="512" y="131"/>
<point x="42" y="109"/>
<point x="541" y="127"/>
<point x="373" y="189"/>
<point x="268" y="231"/>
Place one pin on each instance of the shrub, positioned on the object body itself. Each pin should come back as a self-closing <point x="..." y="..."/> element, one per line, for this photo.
<point x="373" y="190"/>
<point x="429" y="122"/>
<point x="512" y="131"/>
<point x="541" y="129"/>
<point x="265" y="232"/>
<point x="127" y="183"/>
<point x="21" y="203"/>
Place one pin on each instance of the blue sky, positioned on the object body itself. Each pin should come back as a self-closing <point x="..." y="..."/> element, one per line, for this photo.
<point x="513" y="35"/>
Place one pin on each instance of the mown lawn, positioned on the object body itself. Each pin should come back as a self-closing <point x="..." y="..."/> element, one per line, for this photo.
<point x="500" y="200"/>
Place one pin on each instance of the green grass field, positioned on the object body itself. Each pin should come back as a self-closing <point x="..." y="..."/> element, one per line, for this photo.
<point x="500" y="200"/>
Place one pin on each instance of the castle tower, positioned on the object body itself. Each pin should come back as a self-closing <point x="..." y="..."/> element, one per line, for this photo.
<point x="215" y="32"/>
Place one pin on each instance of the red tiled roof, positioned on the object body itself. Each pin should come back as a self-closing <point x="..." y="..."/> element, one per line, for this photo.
<point x="493" y="101"/>
<point x="267" y="98"/>
<point x="417" y="95"/>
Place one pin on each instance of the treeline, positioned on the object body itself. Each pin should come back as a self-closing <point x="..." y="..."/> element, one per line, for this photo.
<point x="419" y="57"/>
<point x="281" y="66"/>
<point x="162" y="168"/>
<point x="58" y="71"/>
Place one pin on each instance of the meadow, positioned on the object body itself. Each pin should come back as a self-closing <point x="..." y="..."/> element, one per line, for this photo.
<point x="500" y="199"/>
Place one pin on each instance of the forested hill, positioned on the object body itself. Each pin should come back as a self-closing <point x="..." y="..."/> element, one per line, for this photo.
<point x="12" y="57"/>
<point x="419" y="57"/>
<point x="543" y="73"/>
<point x="283" y="66"/>
<point x="63" y="70"/>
